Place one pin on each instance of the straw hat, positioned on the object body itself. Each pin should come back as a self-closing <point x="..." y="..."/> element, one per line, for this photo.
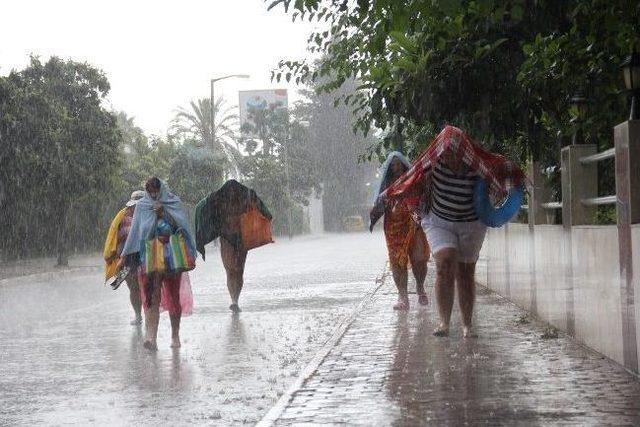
<point x="135" y="198"/>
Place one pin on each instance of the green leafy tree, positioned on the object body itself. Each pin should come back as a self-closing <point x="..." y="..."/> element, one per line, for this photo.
<point x="503" y="70"/>
<point x="194" y="173"/>
<point x="59" y="156"/>
<point x="191" y="169"/>
<point x="285" y="146"/>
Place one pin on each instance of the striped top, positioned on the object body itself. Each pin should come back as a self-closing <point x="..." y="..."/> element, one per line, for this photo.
<point x="452" y="194"/>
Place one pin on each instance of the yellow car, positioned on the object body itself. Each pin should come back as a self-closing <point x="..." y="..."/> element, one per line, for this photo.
<point x="353" y="223"/>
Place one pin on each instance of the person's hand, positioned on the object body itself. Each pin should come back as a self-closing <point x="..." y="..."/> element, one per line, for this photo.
<point x="157" y="208"/>
<point x="120" y="264"/>
<point x="376" y="212"/>
<point x="415" y="215"/>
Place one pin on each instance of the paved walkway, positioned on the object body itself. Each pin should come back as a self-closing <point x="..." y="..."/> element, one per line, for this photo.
<point x="386" y="368"/>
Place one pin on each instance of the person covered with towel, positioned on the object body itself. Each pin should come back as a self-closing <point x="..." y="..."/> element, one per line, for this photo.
<point x="159" y="215"/>
<point x="236" y="214"/>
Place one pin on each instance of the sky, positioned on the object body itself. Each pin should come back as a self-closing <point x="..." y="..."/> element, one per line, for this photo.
<point x="157" y="55"/>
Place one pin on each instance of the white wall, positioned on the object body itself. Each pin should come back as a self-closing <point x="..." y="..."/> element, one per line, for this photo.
<point x="569" y="279"/>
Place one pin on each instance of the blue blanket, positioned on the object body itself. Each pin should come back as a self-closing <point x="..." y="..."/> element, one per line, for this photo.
<point x="384" y="171"/>
<point x="144" y="219"/>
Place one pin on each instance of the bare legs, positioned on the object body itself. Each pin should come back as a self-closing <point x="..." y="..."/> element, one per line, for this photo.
<point x="134" y="297"/>
<point x="233" y="261"/>
<point x="419" y="256"/>
<point x="448" y="272"/>
<point x="400" y="278"/>
<point x="466" y="283"/>
<point x="152" y="313"/>
<point x="445" y="263"/>
<point x="174" y="294"/>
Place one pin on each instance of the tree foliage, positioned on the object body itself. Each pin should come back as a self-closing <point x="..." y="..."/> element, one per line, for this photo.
<point x="58" y="156"/>
<point x="504" y="70"/>
<point x="279" y="165"/>
<point x="194" y="125"/>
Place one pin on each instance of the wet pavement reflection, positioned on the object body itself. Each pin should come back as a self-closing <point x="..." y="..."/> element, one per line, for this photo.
<point x="388" y="369"/>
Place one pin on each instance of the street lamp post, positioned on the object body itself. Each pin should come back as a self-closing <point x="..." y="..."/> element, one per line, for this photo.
<point x="631" y="74"/>
<point x="213" y="110"/>
<point x="288" y="182"/>
<point x="580" y="102"/>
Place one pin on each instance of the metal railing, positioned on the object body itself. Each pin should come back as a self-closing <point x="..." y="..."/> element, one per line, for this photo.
<point x="595" y="158"/>
<point x="586" y="202"/>
<point x="599" y="201"/>
<point x="551" y="205"/>
<point x="603" y="155"/>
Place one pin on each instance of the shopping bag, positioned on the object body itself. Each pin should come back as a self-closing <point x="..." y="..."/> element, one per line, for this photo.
<point x="255" y="229"/>
<point x="182" y="254"/>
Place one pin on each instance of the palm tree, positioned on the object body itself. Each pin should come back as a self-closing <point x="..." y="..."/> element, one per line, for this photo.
<point x="194" y="123"/>
<point x="133" y="138"/>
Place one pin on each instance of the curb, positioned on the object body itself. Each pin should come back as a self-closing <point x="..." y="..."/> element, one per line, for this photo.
<point x="279" y="407"/>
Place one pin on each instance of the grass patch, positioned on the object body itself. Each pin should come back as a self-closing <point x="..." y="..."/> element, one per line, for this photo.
<point x="522" y="319"/>
<point x="549" y="333"/>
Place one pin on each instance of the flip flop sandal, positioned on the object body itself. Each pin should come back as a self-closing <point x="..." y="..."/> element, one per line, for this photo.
<point x="440" y="333"/>
<point x="120" y="276"/>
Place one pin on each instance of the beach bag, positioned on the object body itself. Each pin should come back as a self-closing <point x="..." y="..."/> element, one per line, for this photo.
<point x="181" y="255"/>
<point x="255" y="229"/>
<point x="173" y="256"/>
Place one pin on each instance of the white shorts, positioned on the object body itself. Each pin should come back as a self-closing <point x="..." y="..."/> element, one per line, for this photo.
<point x="465" y="237"/>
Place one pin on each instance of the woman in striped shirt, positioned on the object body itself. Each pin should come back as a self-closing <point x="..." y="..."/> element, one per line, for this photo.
<point x="439" y="188"/>
<point x="455" y="236"/>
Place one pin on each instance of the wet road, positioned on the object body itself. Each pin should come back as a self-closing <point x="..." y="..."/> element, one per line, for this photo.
<point x="69" y="356"/>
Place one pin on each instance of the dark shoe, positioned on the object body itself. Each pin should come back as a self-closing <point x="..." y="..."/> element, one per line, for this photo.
<point x="235" y="308"/>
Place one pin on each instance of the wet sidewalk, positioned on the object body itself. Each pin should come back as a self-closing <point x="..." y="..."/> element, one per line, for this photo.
<point x="386" y="368"/>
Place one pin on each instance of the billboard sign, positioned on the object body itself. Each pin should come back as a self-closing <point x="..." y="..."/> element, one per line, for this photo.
<point x="257" y="102"/>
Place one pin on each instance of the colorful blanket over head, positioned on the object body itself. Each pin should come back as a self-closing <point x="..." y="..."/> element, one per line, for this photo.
<point x="144" y="219"/>
<point x="493" y="168"/>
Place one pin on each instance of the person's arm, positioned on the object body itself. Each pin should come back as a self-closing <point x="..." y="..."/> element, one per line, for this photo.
<point x="172" y="222"/>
